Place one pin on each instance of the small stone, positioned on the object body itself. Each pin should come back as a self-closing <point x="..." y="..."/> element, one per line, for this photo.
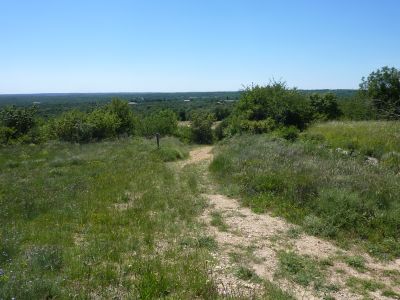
<point x="372" y="160"/>
<point x="1" y="272"/>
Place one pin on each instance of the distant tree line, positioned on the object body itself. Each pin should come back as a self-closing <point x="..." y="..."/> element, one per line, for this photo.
<point x="260" y="109"/>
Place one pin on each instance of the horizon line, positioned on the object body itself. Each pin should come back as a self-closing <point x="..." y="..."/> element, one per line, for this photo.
<point x="162" y="92"/>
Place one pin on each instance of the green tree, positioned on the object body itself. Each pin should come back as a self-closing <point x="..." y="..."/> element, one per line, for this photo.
<point x="164" y="122"/>
<point x="72" y="126"/>
<point x="127" y="122"/>
<point x="325" y="106"/>
<point x="104" y="124"/>
<point x="382" y="87"/>
<point x="274" y="104"/>
<point x="19" y="120"/>
<point x="201" y="127"/>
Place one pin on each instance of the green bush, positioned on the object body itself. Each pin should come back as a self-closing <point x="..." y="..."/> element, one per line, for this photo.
<point x="201" y="128"/>
<point x="104" y="124"/>
<point x="325" y="107"/>
<point x="6" y="134"/>
<point x="164" y="122"/>
<point x="21" y="120"/>
<point x="272" y="102"/>
<point x="72" y="126"/>
<point x="382" y="87"/>
<point x="221" y="131"/>
<point x="126" y="120"/>
<point x="290" y="133"/>
<point x="252" y="126"/>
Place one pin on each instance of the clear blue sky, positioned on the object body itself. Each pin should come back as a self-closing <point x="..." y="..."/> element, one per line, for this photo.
<point x="193" y="45"/>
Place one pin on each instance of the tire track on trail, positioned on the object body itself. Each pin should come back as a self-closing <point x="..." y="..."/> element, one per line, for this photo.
<point x="254" y="241"/>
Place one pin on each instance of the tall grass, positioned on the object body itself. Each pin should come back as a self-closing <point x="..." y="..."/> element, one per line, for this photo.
<point x="332" y="195"/>
<point x="373" y="138"/>
<point x="105" y="220"/>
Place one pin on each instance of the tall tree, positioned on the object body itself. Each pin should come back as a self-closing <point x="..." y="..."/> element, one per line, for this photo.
<point x="382" y="87"/>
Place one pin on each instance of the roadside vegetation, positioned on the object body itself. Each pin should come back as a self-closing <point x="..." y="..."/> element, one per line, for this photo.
<point x="331" y="194"/>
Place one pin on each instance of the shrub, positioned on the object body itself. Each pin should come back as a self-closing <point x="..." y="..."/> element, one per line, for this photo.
<point x="163" y="122"/>
<point x="184" y="134"/>
<point x="251" y="126"/>
<point x="276" y="102"/>
<point x="221" y="112"/>
<point x="127" y="122"/>
<point x="382" y="87"/>
<point x="19" y="121"/>
<point x="6" y="134"/>
<point x="325" y="107"/>
<point x="201" y="128"/>
<point x="290" y="133"/>
<point x="72" y="126"/>
<point x="104" y="124"/>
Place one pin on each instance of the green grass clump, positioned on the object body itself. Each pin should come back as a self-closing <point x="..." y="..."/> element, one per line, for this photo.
<point x="391" y="294"/>
<point x="330" y="195"/>
<point x="171" y="150"/>
<point x="357" y="262"/>
<point x="363" y="286"/>
<point x="394" y="275"/>
<point x="245" y="273"/>
<point x="372" y="138"/>
<point x="273" y="292"/>
<point x="100" y="220"/>
<point x="301" y="269"/>
<point x="218" y="221"/>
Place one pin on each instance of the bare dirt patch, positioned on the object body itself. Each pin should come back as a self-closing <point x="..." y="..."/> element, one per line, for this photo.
<point x="198" y="154"/>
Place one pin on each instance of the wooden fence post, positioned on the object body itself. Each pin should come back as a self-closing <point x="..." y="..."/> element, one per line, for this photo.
<point x="158" y="140"/>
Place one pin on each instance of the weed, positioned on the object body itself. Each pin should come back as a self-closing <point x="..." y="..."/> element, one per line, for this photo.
<point x="245" y="273"/>
<point x="217" y="221"/>
<point x="391" y="294"/>
<point x="293" y="233"/>
<point x="357" y="262"/>
<point x="363" y="286"/>
<point x="300" y="269"/>
<point x="207" y="242"/>
<point x="273" y="292"/>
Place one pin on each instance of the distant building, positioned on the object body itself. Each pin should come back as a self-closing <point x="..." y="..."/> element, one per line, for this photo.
<point x="186" y="100"/>
<point x="35" y="102"/>
<point x="132" y="103"/>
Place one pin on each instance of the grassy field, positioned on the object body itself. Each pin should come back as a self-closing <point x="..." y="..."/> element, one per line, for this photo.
<point x="330" y="194"/>
<point x="372" y="138"/>
<point x="100" y="221"/>
<point x="109" y="220"/>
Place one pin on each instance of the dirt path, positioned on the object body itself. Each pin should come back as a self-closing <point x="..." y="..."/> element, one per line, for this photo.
<point x="250" y="246"/>
<point x="198" y="154"/>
